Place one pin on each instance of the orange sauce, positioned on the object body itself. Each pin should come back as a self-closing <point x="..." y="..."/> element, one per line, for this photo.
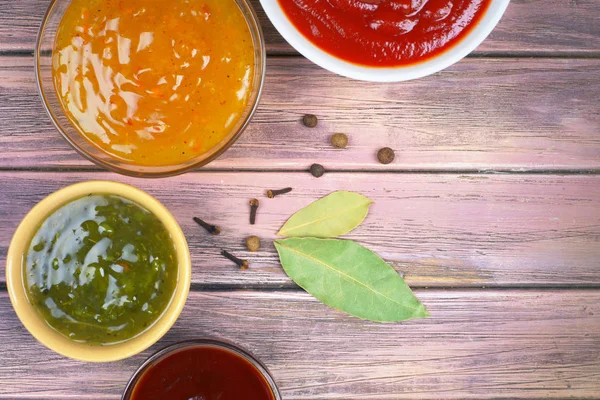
<point x="154" y="82"/>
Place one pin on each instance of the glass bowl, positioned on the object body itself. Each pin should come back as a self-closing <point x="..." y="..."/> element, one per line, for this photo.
<point x="157" y="357"/>
<point x="43" y="70"/>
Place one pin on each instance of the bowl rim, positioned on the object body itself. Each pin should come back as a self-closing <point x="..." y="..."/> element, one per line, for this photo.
<point x="450" y="56"/>
<point x="202" y="342"/>
<point x="253" y="25"/>
<point x="35" y="323"/>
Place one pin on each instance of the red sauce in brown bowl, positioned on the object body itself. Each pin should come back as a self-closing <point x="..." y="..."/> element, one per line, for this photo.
<point x="202" y="370"/>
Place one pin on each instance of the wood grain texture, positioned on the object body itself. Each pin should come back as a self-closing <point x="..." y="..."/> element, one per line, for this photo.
<point x="437" y="229"/>
<point x="481" y="114"/>
<point x="476" y="345"/>
<point x="529" y="26"/>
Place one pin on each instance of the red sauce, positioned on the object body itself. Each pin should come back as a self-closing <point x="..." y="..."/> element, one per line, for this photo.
<point x="202" y="372"/>
<point x="384" y="33"/>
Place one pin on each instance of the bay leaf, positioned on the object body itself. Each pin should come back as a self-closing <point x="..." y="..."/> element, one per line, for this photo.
<point x="349" y="277"/>
<point x="333" y="215"/>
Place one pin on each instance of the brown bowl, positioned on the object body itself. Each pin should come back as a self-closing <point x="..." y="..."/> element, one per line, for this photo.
<point x="260" y="367"/>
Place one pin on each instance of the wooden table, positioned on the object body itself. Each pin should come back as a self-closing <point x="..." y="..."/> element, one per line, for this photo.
<point x="491" y="212"/>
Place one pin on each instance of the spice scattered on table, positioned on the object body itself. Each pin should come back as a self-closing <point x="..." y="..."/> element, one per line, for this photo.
<point x="212" y="229"/>
<point x="339" y="140"/>
<point x="243" y="264"/>
<point x="253" y="243"/>
<point x="253" y="207"/>
<point x="272" y="193"/>
<point x="386" y="155"/>
<point x="310" y="120"/>
<point x="317" y="170"/>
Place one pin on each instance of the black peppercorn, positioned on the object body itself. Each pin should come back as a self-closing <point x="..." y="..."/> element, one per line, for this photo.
<point x="317" y="170"/>
<point x="386" y="155"/>
<point x="339" y="140"/>
<point x="253" y="243"/>
<point x="310" y="121"/>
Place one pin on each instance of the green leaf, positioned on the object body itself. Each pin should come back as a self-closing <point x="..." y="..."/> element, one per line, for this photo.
<point x="331" y="216"/>
<point x="349" y="277"/>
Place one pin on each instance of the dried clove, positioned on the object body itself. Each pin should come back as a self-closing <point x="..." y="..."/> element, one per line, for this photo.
<point x="243" y="264"/>
<point x="212" y="229"/>
<point x="273" y="193"/>
<point x="253" y="207"/>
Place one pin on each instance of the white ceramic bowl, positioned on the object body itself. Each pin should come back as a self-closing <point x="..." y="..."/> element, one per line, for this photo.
<point x="384" y="74"/>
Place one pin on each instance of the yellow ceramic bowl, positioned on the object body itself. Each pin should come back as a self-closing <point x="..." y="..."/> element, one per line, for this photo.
<point x="35" y="323"/>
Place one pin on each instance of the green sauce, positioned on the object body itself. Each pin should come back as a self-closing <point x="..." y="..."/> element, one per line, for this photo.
<point x="101" y="269"/>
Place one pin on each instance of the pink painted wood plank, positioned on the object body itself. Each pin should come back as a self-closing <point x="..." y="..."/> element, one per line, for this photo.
<point x="483" y="344"/>
<point x="554" y="27"/>
<point x="481" y="114"/>
<point x="441" y="230"/>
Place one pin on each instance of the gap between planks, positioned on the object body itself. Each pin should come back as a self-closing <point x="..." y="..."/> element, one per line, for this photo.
<point x="476" y="345"/>
<point x="516" y="171"/>
<point x="438" y="230"/>
<point x="293" y="288"/>
<point x="479" y="115"/>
